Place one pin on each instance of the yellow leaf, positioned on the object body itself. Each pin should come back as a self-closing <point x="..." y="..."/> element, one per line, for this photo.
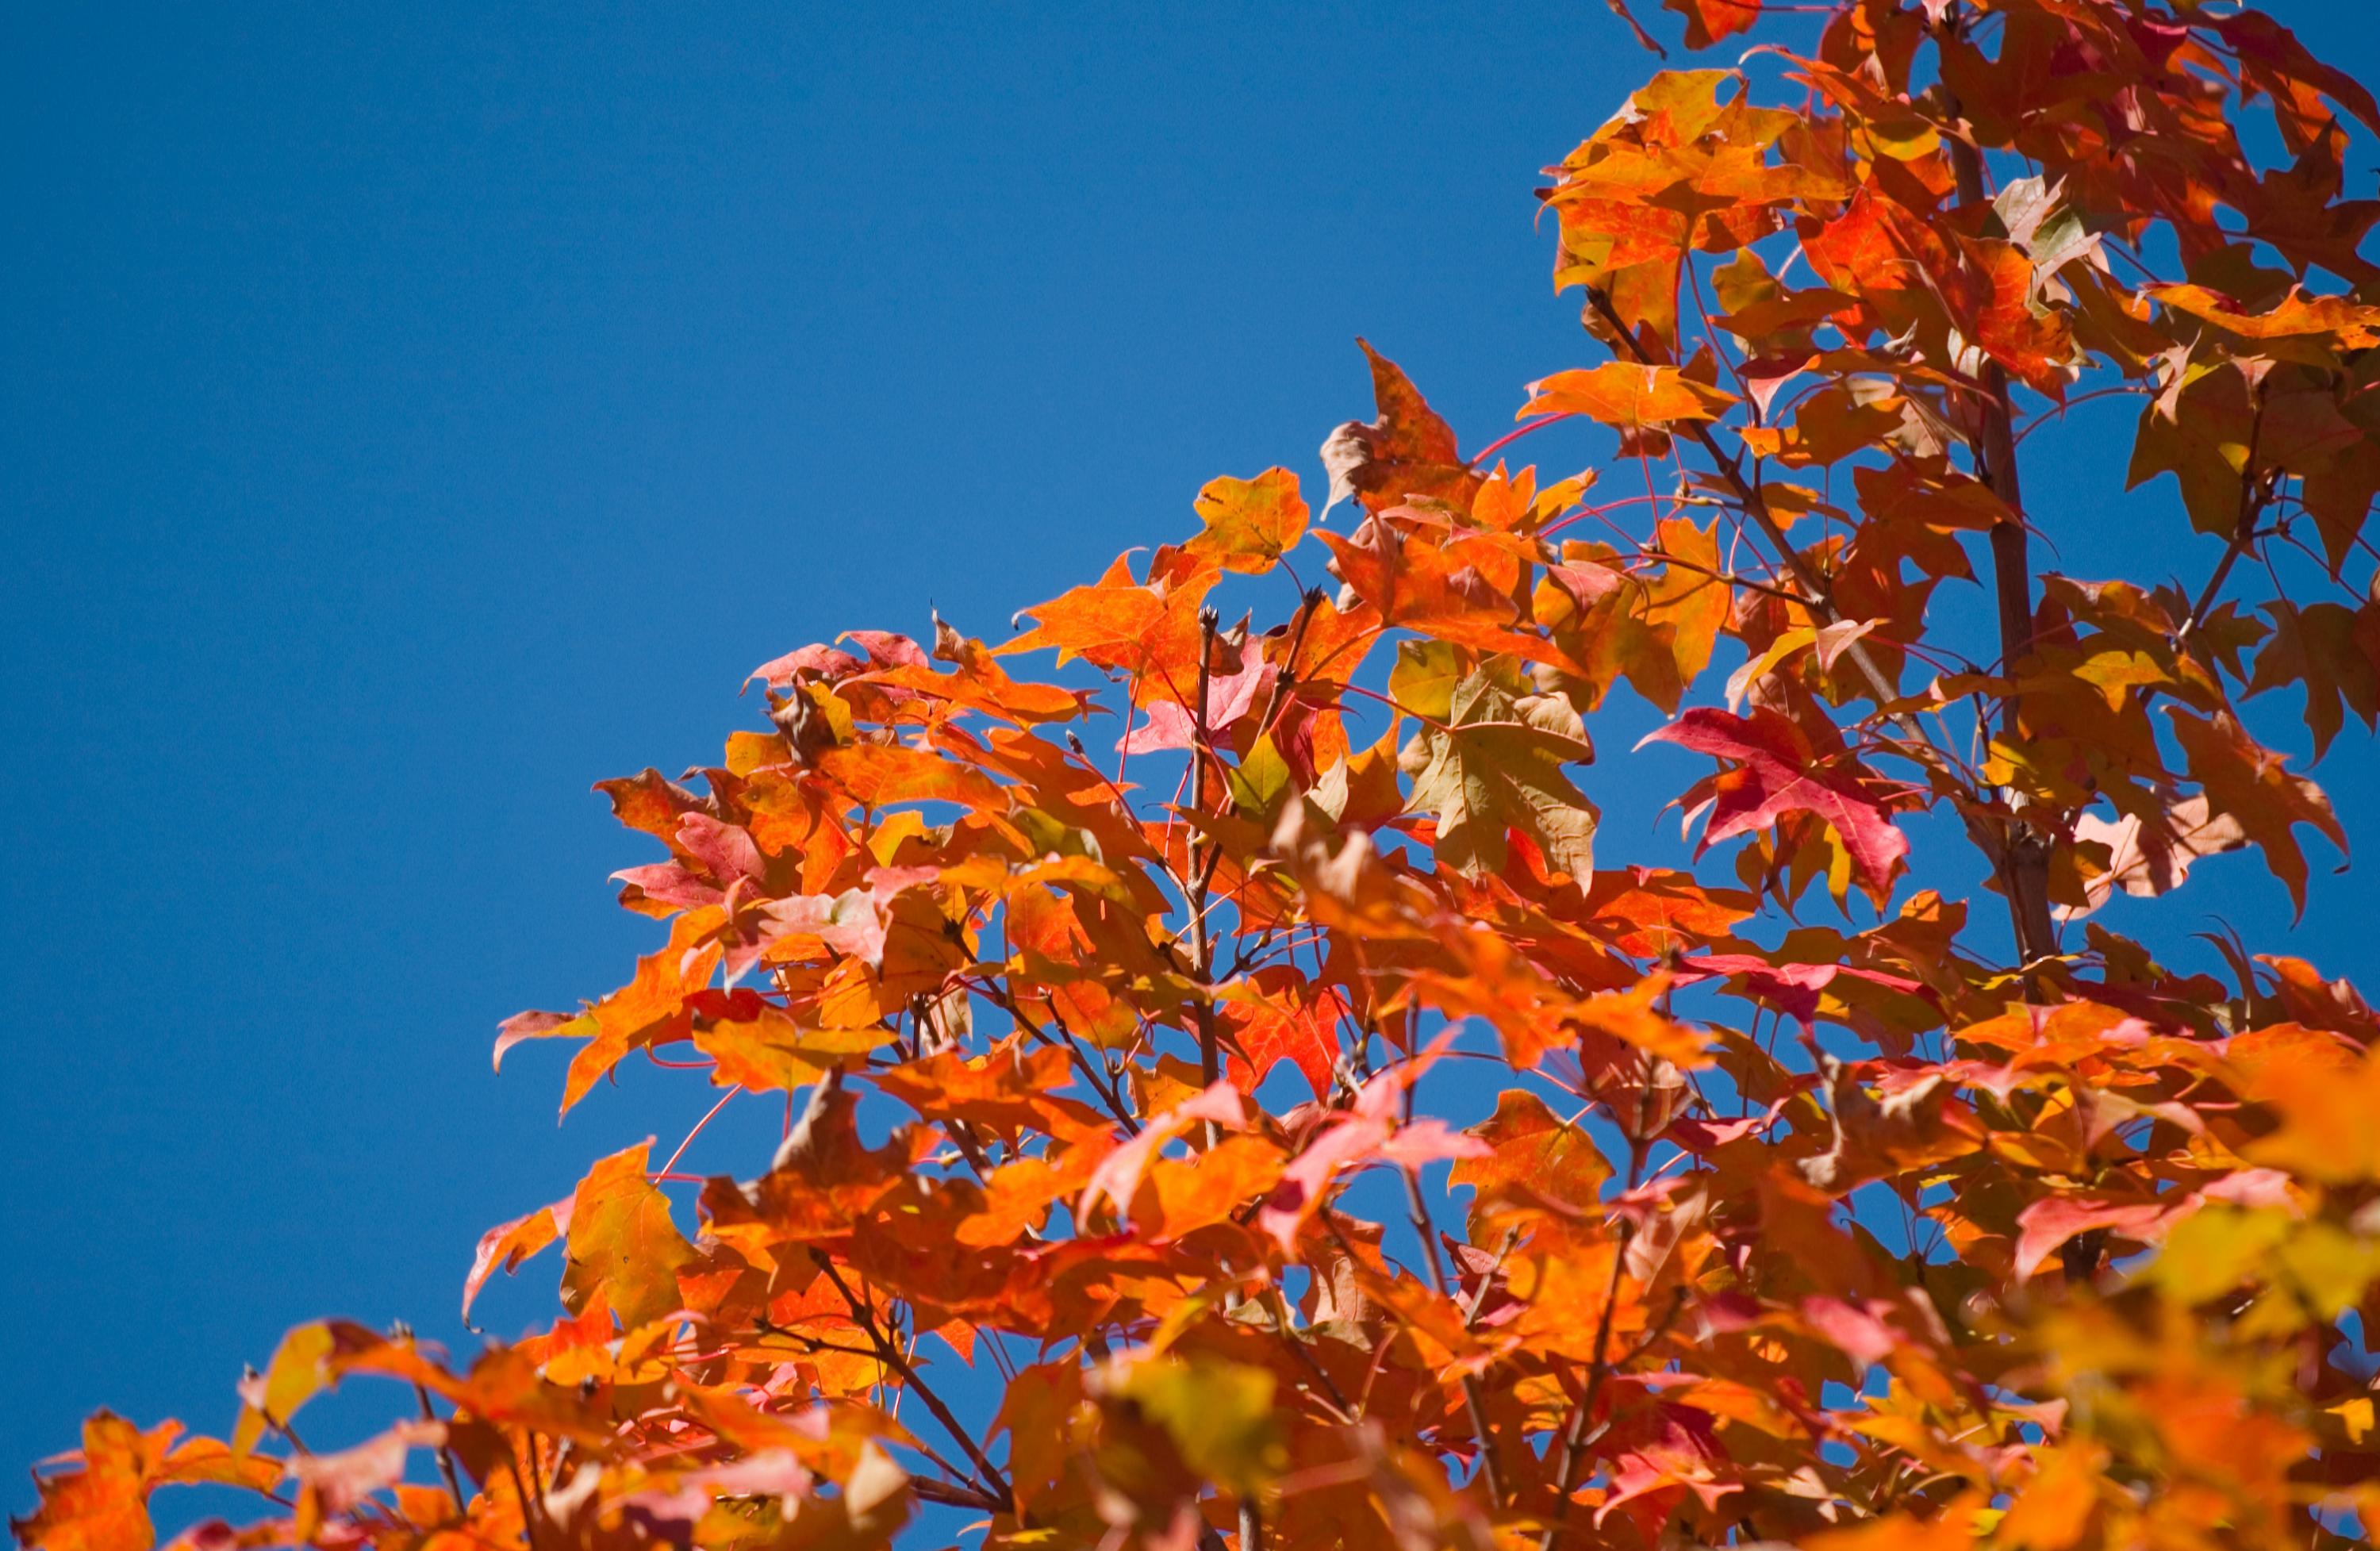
<point x="1220" y="1414"/>
<point x="1250" y="523"/>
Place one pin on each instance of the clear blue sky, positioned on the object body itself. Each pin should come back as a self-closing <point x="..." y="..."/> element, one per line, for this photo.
<point x="416" y="413"/>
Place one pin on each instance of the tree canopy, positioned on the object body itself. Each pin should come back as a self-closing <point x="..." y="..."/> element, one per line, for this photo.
<point x="1858" y="1186"/>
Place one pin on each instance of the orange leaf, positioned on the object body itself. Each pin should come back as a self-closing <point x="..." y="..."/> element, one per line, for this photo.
<point x="1408" y="452"/>
<point x="623" y="1246"/>
<point x="1708" y="21"/>
<point x="1622" y="393"/>
<point x="512" y="1242"/>
<point x="1250" y="523"/>
<point x="103" y="1504"/>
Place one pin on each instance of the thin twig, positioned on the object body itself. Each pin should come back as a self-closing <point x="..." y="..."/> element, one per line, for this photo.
<point x="2252" y="498"/>
<point x="1469" y="1381"/>
<point x="990" y="1478"/>
<point x="1574" y="1441"/>
<point x="1202" y="946"/>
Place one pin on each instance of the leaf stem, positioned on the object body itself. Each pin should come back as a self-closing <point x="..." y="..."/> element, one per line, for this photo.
<point x="1489" y="451"/>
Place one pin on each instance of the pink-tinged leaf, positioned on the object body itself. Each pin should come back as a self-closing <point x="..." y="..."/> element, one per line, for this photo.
<point x="883" y="650"/>
<point x="2144" y="862"/>
<point x="886" y="648"/>
<point x="523" y="1026"/>
<point x="1777" y="772"/>
<point x="1791" y="989"/>
<point x="1228" y="699"/>
<point x="1119" y="1174"/>
<point x="1308" y="1179"/>
<point x="1682" y="1449"/>
<point x="1428" y="1141"/>
<point x="815" y="662"/>
<point x="726" y="850"/>
<point x="1368" y="1131"/>
<point x="341" y="1481"/>
<point x="2049" y="1222"/>
<point x="851" y="922"/>
<point x="2252" y="1188"/>
<point x="666" y="883"/>
<point x="771" y="1473"/>
<point x="1859" y="1334"/>
<point x="510" y="1243"/>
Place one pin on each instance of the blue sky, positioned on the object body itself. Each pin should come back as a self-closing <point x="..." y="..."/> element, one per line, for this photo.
<point x="418" y="414"/>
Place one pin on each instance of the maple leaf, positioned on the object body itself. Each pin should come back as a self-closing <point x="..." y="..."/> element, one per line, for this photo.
<point x="1229" y="696"/>
<point x="101" y="1505"/>
<point x="1777" y="772"/>
<point x="1619" y="393"/>
<point x="2145" y="861"/>
<point x="622" y="1247"/>
<point x="338" y="1481"/>
<point x="1274" y="1016"/>
<point x="1250" y="523"/>
<point x="1494" y="765"/>
<point x="1150" y="629"/>
<point x="1708" y="21"/>
<point x="650" y="1009"/>
<point x="1533" y="1158"/>
<point x="1368" y="1132"/>
<point x="1407" y="451"/>
<point x="2249" y="785"/>
<point x="2334" y="652"/>
<point x="1999" y="312"/>
<point x="2052" y="1220"/>
<point x="509" y="1243"/>
<point x="2348" y="325"/>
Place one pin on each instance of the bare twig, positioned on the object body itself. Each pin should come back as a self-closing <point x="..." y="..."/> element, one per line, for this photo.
<point x="2255" y="490"/>
<point x="1574" y="1441"/>
<point x="890" y="1355"/>
<point x="1469" y="1381"/>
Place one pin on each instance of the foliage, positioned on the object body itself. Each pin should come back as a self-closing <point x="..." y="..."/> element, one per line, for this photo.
<point x="1973" y="1224"/>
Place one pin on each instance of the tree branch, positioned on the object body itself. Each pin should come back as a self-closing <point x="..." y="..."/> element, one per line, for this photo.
<point x="1820" y="601"/>
<point x="890" y="1356"/>
<point x="2026" y="872"/>
<point x="1469" y="1381"/>
<point x="2254" y="493"/>
<point x="1575" y="1440"/>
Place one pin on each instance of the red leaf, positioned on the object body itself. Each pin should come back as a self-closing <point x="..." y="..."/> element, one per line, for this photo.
<point x="1775" y="773"/>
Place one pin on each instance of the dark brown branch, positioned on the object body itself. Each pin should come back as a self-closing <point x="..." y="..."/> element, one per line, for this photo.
<point x="1107" y="1095"/>
<point x="951" y="1495"/>
<point x="520" y="1491"/>
<point x="2026" y="873"/>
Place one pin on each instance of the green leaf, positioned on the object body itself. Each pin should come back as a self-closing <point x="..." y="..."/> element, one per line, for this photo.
<point x="1220" y="1414"/>
<point x="1259" y="780"/>
<point x="1495" y="764"/>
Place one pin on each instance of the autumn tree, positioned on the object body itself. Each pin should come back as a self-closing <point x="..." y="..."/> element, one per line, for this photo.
<point x="1118" y="981"/>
